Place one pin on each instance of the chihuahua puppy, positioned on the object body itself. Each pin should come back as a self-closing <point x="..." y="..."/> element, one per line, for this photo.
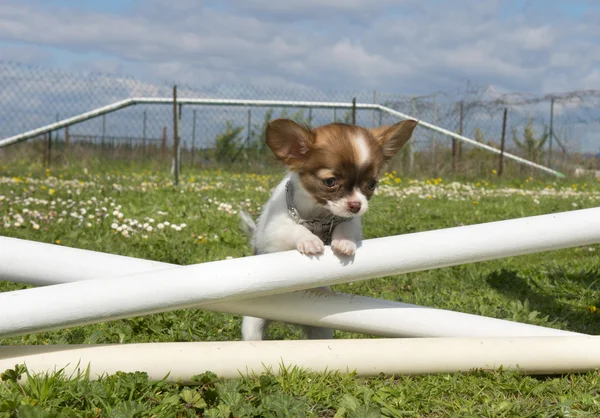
<point x="333" y="171"/>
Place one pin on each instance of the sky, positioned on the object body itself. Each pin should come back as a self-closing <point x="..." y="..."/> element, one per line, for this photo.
<point x="411" y="47"/>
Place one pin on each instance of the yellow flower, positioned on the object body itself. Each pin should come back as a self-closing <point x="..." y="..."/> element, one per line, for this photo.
<point x="51" y="192"/>
<point x="494" y="171"/>
<point x="475" y="202"/>
<point x="43" y="187"/>
<point x="57" y="242"/>
<point x="397" y="180"/>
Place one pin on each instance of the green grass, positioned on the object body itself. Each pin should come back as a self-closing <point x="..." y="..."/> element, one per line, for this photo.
<point x="558" y="289"/>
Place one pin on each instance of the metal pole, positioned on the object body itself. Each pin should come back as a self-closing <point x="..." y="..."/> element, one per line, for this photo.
<point x="163" y="145"/>
<point x="46" y="136"/>
<point x="175" y="138"/>
<point x="193" y="135"/>
<point x="551" y="132"/>
<point x="49" y="149"/>
<point x="67" y="144"/>
<point x="434" y="137"/>
<point x="455" y="146"/>
<point x="102" y="146"/>
<point x="354" y="111"/>
<point x="411" y="148"/>
<point x="374" y="102"/>
<point x="501" y="166"/>
<point x="144" y="136"/>
<point x="179" y="142"/>
<point x="460" y="127"/>
<point x="248" y="129"/>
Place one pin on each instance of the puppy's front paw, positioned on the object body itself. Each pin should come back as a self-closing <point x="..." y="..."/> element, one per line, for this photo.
<point x="343" y="246"/>
<point x="310" y="246"/>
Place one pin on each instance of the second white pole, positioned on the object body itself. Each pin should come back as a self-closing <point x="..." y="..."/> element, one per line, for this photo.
<point x="98" y="300"/>
<point x="44" y="264"/>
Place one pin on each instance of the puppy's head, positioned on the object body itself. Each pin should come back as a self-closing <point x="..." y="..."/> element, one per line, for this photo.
<point x="338" y="164"/>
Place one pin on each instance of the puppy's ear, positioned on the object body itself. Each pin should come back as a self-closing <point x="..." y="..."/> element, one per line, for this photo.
<point x="393" y="137"/>
<point x="289" y="141"/>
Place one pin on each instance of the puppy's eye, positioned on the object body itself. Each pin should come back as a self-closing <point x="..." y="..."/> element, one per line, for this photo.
<point x="372" y="184"/>
<point x="330" y="181"/>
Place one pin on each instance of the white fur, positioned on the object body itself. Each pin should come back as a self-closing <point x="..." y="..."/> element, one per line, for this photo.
<point x="275" y="231"/>
<point x="340" y="207"/>
<point x="362" y="150"/>
<point x="346" y="236"/>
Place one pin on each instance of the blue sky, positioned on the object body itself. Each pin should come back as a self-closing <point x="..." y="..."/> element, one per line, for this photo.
<point x="398" y="46"/>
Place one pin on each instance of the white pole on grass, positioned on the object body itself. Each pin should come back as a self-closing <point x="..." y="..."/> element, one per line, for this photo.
<point x="45" y="264"/>
<point x="98" y="300"/>
<point x="368" y="357"/>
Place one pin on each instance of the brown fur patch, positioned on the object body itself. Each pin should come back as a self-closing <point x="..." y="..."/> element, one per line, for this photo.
<point x="393" y="137"/>
<point x="331" y="151"/>
<point x="334" y="154"/>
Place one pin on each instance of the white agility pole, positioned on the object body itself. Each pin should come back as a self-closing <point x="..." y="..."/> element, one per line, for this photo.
<point x="367" y="357"/>
<point x="45" y="264"/>
<point x="99" y="300"/>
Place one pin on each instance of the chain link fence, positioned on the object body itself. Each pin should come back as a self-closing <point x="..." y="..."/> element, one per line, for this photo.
<point x="561" y="131"/>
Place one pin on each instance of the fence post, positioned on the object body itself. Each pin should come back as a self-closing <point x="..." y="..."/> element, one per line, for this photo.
<point x="551" y="133"/>
<point x="103" y="128"/>
<point x="434" y="138"/>
<point x="455" y="141"/>
<point x="163" y="146"/>
<point x="46" y="149"/>
<point x="180" y="148"/>
<point x="67" y="143"/>
<point x="502" y="141"/>
<point x="411" y="144"/>
<point x="49" y="148"/>
<point x="374" y="112"/>
<point x="193" y="134"/>
<point x="460" y="130"/>
<point x="175" y="138"/>
<point x="144" y="136"/>
<point x="248" y="128"/>
<point x="354" y="111"/>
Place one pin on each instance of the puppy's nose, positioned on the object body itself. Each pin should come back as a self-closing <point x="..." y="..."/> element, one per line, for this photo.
<point x="354" y="207"/>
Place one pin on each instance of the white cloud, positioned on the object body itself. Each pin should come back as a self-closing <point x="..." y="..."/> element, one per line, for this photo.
<point x="404" y="46"/>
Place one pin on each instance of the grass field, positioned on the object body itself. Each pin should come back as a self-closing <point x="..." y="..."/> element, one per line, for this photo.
<point x="141" y="214"/>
